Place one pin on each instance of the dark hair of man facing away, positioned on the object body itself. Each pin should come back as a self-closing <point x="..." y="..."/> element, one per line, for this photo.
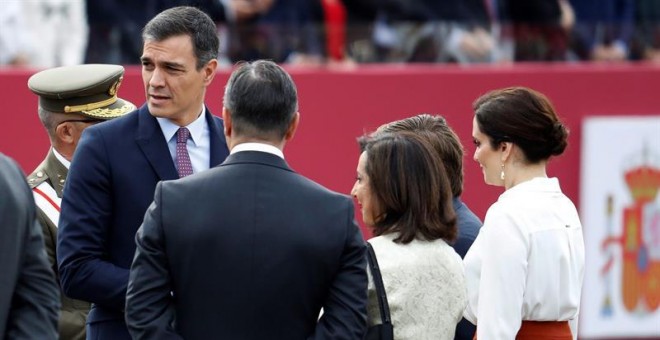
<point x="262" y="101"/>
<point x="185" y="20"/>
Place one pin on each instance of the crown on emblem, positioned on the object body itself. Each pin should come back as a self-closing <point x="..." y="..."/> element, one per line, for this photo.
<point x="643" y="183"/>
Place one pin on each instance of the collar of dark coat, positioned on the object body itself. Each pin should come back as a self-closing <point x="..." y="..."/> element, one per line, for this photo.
<point x="257" y="157"/>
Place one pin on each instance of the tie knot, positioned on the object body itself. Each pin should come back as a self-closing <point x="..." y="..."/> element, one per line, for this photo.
<point x="182" y="135"/>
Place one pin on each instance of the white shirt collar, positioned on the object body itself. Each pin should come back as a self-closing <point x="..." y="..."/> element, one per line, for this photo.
<point x="262" y="147"/>
<point x="196" y="128"/>
<point x="61" y="158"/>
<point x="550" y="184"/>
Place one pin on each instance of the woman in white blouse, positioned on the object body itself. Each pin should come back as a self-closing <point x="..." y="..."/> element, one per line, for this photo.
<point x="524" y="271"/>
<point x="408" y="204"/>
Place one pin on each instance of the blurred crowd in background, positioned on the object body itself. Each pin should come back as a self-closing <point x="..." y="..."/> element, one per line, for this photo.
<point x="48" y="33"/>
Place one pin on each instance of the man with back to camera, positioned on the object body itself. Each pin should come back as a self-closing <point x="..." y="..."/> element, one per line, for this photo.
<point x="447" y="144"/>
<point x="118" y="163"/>
<point x="71" y="98"/>
<point x="29" y="299"/>
<point x="249" y="249"/>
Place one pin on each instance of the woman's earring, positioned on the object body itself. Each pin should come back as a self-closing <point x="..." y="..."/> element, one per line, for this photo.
<point x="502" y="172"/>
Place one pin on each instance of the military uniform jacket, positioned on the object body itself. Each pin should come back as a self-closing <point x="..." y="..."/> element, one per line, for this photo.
<point x="47" y="183"/>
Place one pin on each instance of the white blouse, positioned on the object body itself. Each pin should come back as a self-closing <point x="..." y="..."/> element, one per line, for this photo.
<point x="527" y="262"/>
<point x="425" y="287"/>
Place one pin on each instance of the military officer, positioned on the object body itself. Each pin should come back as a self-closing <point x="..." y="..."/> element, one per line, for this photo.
<point x="71" y="98"/>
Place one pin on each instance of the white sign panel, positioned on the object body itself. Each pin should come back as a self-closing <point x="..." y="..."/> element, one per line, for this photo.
<point x="620" y="211"/>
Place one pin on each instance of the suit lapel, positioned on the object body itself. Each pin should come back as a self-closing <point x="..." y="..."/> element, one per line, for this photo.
<point x="219" y="149"/>
<point x="153" y="145"/>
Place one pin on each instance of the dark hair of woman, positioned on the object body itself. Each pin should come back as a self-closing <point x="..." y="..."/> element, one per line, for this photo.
<point x="524" y="117"/>
<point x="415" y="197"/>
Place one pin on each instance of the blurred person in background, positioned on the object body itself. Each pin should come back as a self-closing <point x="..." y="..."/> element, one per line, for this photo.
<point x="463" y="31"/>
<point x="404" y="30"/>
<point x="361" y="15"/>
<point x="541" y="29"/>
<point x="285" y="31"/>
<point x="114" y="30"/>
<point x="524" y="272"/>
<point x="603" y="29"/>
<point x="29" y="299"/>
<point x="479" y="33"/>
<point x="447" y="145"/>
<point x="115" y="26"/>
<point x="647" y="31"/>
<point x="407" y="203"/>
<point x="59" y="32"/>
<point x="15" y="42"/>
<point x="71" y="98"/>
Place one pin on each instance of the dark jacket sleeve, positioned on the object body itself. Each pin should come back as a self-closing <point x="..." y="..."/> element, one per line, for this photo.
<point x="85" y="221"/>
<point x="149" y="304"/>
<point x="32" y="298"/>
<point x="345" y="309"/>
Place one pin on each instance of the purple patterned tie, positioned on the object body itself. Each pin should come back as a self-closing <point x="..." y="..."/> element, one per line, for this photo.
<point x="183" y="164"/>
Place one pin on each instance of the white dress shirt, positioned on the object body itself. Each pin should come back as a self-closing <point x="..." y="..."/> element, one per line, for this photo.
<point x="61" y="158"/>
<point x="527" y="262"/>
<point x="199" y="143"/>
<point x="261" y="147"/>
<point x="425" y="287"/>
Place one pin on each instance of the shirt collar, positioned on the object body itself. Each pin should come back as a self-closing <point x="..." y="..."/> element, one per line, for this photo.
<point x="61" y="158"/>
<point x="196" y="128"/>
<point x="549" y="184"/>
<point x="262" y="147"/>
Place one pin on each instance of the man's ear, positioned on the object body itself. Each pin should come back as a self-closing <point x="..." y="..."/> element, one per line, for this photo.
<point x="293" y="126"/>
<point x="210" y="71"/>
<point x="64" y="133"/>
<point x="226" y="117"/>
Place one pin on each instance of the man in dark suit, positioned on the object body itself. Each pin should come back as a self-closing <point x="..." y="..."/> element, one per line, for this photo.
<point x="249" y="249"/>
<point x="448" y="146"/>
<point x="118" y="163"/>
<point x="60" y="89"/>
<point x="29" y="298"/>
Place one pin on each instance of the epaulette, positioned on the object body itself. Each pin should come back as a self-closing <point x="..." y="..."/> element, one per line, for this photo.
<point x="36" y="178"/>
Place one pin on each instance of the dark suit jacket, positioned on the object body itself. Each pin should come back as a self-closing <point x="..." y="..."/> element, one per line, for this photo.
<point x="249" y="250"/>
<point x="110" y="185"/>
<point x="468" y="229"/>
<point x="29" y="298"/>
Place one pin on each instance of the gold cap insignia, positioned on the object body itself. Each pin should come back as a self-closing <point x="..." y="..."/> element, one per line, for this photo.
<point x="113" y="89"/>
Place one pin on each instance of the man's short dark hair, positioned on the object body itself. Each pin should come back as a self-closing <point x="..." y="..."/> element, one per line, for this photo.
<point x="261" y="99"/>
<point x="190" y="21"/>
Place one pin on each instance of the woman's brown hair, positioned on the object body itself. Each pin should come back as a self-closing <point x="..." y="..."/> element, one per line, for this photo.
<point x="415" y="197"/>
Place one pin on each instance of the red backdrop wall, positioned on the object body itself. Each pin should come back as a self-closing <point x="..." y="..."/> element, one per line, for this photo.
<point x="338" y="106"/>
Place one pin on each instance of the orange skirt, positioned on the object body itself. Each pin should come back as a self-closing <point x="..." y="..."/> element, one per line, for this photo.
<point x="545" y="330"/>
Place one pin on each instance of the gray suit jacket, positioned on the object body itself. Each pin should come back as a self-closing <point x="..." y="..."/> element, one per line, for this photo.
<point x="29" y="298"/>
